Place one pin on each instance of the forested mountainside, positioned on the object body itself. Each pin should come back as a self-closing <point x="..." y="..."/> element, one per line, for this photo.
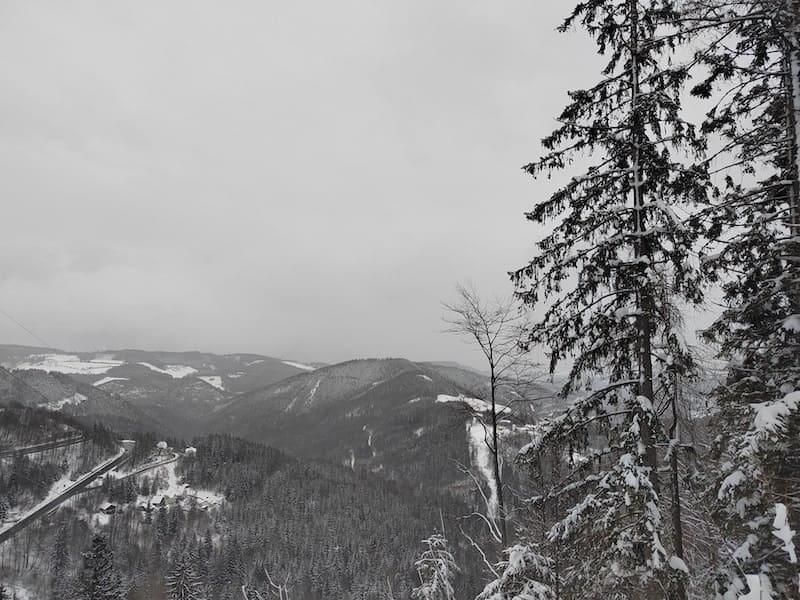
<point x="390" y="416"/>
<point x="225" y="513"/>
<point x="60" y="392"/>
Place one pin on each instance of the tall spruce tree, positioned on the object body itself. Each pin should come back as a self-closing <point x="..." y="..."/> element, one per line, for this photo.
<point x="183" y="582"/>
<point x="610" y="272"/>
<point x="753" y="61"/>
<point x="99" y="579"/>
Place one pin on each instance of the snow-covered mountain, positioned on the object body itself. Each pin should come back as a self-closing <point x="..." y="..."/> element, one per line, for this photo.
<point x="175" y="389"/>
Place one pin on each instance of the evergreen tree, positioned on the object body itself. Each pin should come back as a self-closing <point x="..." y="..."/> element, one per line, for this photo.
<point x="612" y="269"/>
<point x="753" y="62"/>
<point x="437" y="569"/>
<point x="59" y="558"/>
<point x="526" y="574"/>
<point x="182" y="582"/>
<point x="99" y="579"/>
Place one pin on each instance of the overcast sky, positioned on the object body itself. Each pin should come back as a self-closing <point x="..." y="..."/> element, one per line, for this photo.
<point x="301" y="179"/>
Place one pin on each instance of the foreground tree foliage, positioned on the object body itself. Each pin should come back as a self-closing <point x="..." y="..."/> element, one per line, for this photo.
<point x="753" y="62"/>
<point x="611" y="270"/>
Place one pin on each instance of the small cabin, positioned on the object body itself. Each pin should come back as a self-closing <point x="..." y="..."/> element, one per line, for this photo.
<point x="190" y="451"/>
<point x="162" y="445"/>
<point x="107" y="508"/>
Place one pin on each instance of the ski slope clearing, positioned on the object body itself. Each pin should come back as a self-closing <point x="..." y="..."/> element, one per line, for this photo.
<point x="106" y="380"/>
<point x="174" y="371"/>
<point x="214" y="380"/>
<point x="298" y="365"/>
<point x="473" y="403"/>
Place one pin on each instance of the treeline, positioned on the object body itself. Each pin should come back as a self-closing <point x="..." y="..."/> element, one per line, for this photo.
<point x="322" y="530"/>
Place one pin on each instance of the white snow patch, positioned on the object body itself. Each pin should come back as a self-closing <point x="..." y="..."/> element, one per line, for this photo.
<point x="106" y="380"/>
<point x="174" y="371"/>
<point x="178" y="490"/>
<point x="291" y="404"/>
<point x="754" y="582"/>
<point x="677" y="563"/>
<point x="236" y="375"/>
<point x="298" y="365"/>
<point x="425" y="377"/>
<point x="20" y="593"/>
<point x="73" y="400"/>
<point x="69" y="363"/>
<point x="792" y="323"/>
<point x="414" y="400"/>
<point x="418" y="431"/>
<point x="482" y="460"/>
<point x="473" y="403"/>
<point x="783" y="532"/>
<point x="313" y="392"/>
<point x="214" y="380"/>
<point x="770" y="415"/>
<point x="254" y="362"/>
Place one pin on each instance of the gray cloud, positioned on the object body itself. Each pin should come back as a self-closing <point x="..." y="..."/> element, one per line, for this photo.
<point x="299" y="179"/>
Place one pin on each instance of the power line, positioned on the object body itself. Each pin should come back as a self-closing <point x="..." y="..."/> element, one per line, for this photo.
<point x="21" y="326"/>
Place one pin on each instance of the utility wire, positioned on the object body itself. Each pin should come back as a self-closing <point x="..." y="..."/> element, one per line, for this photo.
<point x="36" y="337"/>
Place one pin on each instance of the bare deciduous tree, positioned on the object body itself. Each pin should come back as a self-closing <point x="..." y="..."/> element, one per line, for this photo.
<point x="496" y="327"/>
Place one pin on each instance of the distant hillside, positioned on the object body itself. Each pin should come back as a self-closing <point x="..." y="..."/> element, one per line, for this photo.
<point x="173" y="389"/>
<point x="59" y="392"/>
<point x="389" y="416"/>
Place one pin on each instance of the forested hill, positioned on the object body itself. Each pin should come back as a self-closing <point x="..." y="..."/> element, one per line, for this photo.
<point x="229" y="512"/>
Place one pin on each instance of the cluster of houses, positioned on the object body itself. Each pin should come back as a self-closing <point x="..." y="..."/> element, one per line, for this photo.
<point x="157" y="501"/>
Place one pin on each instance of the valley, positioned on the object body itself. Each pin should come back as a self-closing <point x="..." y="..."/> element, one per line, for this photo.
<point x="300" y="441"/>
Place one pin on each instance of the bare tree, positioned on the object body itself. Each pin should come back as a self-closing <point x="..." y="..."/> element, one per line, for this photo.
<point x="496" y="327"/>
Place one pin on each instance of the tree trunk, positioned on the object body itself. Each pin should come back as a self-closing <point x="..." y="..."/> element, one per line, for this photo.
<point x="643" y="320"/>
<point x="678" y="592"/>
<point x="498" y="479"/>
<point x="792" y="83"/>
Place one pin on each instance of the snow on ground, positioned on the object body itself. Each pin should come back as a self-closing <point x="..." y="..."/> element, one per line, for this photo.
<point x="178" y="490"/>
<point x="425" y="377"/>
<point x="214" y="380"/>
<point x="106" y="380"/>
<point x="313" y="393"/>
<point x="73" y="400"/>
<point x="754" y="581"/>
<point x="20" y="593"/>
<point x="69" y="363"/>
<point x="298" y="365"/>
<point x="369" y="433"/>
<point x="174" y="371"/>
<point x="236" y="375"/>
<point x="480" y="457"/>
<point x="414" y="400"/>
<point x="60" y="486"/>
<point x="418" y="431"/>
<point x="473" y="403"/>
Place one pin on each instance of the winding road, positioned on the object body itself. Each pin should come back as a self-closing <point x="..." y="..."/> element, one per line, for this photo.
<point x="49" y="504"/>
